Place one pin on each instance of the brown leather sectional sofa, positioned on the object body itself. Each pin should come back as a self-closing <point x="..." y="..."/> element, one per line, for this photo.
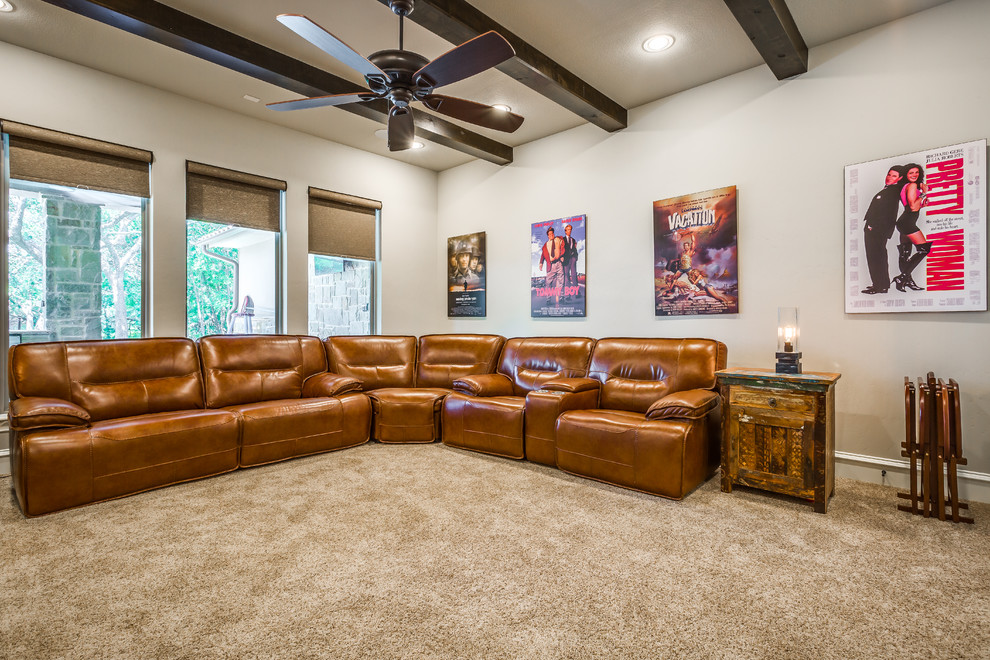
<point x="96" y="420"/>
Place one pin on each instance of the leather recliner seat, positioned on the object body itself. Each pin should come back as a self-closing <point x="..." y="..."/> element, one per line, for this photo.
<point x="489" y="413"/>
<point x="278" y="387"/>
<point x="657" y="424"/>
<point x="407" y="380"/>
<point x="96" y="420"/>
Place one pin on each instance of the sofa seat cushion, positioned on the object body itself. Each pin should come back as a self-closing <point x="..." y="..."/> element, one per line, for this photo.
<point x="137" y="453"/>
<point x="65" y="468"/>
<point x="662" y="457"/>
<point x="492" y="425"/>
<point x="277" y="430"/>
<point x="403" y="414"/>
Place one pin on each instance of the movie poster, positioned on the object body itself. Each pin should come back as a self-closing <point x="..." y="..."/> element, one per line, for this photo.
<point x="466" y="275"/>
<point x="694" y="254"/>
<point x="558" y="274"/>
<point x="916" y="232"/>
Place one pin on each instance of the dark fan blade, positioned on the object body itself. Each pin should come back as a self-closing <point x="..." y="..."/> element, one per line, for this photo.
<point x="471" y="57"/>
<point x="401" y="129"/>
<point x="330" y="44"/>
<point x="476" y="113"/>
<point x="321" y="101"/>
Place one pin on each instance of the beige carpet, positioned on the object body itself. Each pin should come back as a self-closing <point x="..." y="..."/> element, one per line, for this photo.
<point x="425" y="551"/>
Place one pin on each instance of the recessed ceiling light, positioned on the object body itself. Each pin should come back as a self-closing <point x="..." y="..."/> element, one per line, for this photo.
<point x="658" y="43"/>
<point x="247" y="97"/>
<point x="6" y="6"/>
<point x="502" y="107"/>
<point x="417" y="144"/>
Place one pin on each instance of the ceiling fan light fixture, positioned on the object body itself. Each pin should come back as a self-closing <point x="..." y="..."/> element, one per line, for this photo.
<point x="658" y="43"/>
<point x="5" y="5"/>
<point x="383" y="134"/>
<point x="501" y="106"/>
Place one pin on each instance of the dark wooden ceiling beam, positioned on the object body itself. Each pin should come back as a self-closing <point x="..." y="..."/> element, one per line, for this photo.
<point x="457" y="21"/>
<point x="171" y="27"/>
<point x="771" y="28"/>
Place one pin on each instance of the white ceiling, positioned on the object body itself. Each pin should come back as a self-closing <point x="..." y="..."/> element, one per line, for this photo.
<point x="597" y="40"/>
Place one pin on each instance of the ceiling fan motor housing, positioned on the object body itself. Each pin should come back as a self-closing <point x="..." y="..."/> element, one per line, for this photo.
<point x="401" y="7"/>
<point x="399" y="65"/>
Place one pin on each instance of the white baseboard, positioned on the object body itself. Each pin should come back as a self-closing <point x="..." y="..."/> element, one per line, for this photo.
<point x="973" y="486"/>
<point x="4" y="462"/>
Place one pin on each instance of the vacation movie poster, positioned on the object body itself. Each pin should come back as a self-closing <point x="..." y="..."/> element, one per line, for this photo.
<point x="695" y="254"/>
<point x="558" y="274"/>
<point x="466" y="275"/>
<point x="916" y="232"/>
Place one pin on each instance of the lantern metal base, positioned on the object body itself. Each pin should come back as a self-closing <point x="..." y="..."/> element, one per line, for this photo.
<point x="788" y="363"/>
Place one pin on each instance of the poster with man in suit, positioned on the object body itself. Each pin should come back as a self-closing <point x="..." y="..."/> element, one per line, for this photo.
<point x="558" y="276"/>
<point x="915" y="232"/>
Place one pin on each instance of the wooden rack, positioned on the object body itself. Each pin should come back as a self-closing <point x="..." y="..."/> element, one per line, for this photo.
<point x="933" y="444"/>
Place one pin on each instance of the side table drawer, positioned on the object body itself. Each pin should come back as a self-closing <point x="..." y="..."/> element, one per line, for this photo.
<point x="773" y="400"/>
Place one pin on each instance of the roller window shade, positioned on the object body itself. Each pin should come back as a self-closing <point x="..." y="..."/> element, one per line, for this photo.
<point x="62" y="159"/>
<point x="342" y="225"/>
<point x="214" y="194"/>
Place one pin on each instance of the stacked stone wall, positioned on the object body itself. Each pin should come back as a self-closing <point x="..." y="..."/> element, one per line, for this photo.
<point x="73" y="270"/>
<point x="339" y="303"/>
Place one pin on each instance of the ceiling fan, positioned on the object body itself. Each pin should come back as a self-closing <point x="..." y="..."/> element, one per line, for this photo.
<point x="402" y="76"/>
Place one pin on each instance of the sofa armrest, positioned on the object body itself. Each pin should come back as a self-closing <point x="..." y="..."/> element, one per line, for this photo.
<point x="35" y="412"/>
<point x="484" y="385"/>
<point x="327" y="384"/>
<point x="688" y="404"/>
<point x="572" y="385"/>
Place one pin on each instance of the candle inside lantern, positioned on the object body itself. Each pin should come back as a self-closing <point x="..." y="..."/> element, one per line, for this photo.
<point x="788" y="338"/>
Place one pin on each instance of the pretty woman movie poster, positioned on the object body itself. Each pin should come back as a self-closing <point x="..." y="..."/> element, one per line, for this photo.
<point x="466" y="275"/>
<point x="695" y="255"/>
<point x="916" y="232"/>
<point x="558" y="274"/>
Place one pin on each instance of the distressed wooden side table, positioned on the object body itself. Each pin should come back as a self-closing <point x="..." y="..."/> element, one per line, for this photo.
<point x="778" y="432"/>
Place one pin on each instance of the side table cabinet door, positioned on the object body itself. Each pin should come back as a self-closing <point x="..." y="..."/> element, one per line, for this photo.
<point x="773" y="451"/>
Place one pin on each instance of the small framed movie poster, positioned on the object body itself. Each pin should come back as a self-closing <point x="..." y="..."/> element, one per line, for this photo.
<point x="558" y="275"/>
<point x="466" y="273"/>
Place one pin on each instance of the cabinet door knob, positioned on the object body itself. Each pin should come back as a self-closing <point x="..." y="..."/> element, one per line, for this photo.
<point x="773" y="402"/>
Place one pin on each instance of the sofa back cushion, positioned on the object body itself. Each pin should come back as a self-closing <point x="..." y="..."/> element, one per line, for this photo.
<point x="529" y="362"/>
<point x="251" y="368"/>
<point x="110" y="378"/>
<point x="443" y="358"/>
<point x="377" y="361"/>
<point x="636" y="372"/>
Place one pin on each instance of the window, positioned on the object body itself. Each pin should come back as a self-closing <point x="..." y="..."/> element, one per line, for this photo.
<point x="232" y="245"/>
<point x="74" y="223"/>
<point x="343" y="251"/>
<point x="74" y="264"/>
